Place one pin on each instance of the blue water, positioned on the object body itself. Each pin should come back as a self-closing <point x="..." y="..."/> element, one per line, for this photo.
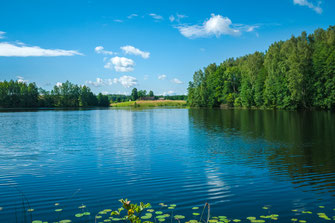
<point x="236" y="160"/>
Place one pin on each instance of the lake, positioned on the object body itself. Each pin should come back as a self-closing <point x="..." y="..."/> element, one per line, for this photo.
<point x="237" y="160"/>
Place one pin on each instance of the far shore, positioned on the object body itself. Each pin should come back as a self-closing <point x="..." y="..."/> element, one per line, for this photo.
<point x="151" y="103"/>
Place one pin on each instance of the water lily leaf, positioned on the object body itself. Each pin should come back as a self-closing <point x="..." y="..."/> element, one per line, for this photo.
<point x="58" y="210"/>
<point x="302" y="221"/>
<point x="161" y="219"/>
<point x="294" y="219"/>
<point x="195" y="208"/>
<point x="173" y="205"/>
<point x="79" y="215"/>
<point x="321" y="206"/>
<point x="195" y="214"/>
<point x="236" y="220"/>
<point x="179" y="216"/>
<point x="30" y="210"/>
<point x="107" y="210"/>
<point x="98" y="216"/>
<point x="213" y="220"/>
<point x="265" y="208"/>
<point x="86" y="213"/>
<point x="107" y="220"/>
<point x="158" y="212"/>
<point x="82" y="206"/>
<point x="170" y="207"/>
<point x="115" y="219"/>
<point x="56" y="204"/>
<point x="37" y="221"/>
<point x="150" y="210"/>
<point x="65" y="221"/>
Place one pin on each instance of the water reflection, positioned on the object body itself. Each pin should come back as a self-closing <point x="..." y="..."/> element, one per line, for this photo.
<point x="300" y="145"/>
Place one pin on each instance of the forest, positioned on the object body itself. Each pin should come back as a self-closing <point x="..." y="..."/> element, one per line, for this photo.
<point x="298" y="73"/>
<point x="16" y="94"/>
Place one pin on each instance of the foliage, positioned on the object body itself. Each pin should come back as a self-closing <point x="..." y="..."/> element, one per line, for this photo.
<point x="15" y="94"/>
<point x="298" y="73"/>
<point x="133" y="211"/>
<point x="151" y="103"/>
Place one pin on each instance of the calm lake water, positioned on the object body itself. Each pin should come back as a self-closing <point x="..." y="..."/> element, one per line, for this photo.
<point x="237" y="160"/>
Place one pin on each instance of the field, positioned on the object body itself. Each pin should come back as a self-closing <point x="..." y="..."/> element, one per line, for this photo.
<point x="151" y="103"/>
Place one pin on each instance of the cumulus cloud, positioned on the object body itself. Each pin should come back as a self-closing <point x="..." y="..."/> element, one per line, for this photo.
<point x="128" y="81"/>
<point x="120" y="64"/>
<point x="177" y="81"/>
<point x="132" y="16"/>
<point x="118" y="20"/>
<point x="19" y="50"/>
<point x="59" y="84"/>
<point x="2" y="34"/>
<point x="125" y="81"/>
<point x="101" y="50"/>
<point x="217" y="25"/>
<point x="155" y="16"/>
<point x="21" y="79"/>
<point x="134" y="51"/>
<point x="309" y="4"/>
<point x="169" y="93"/>
<point x="162" y="77"/>
<point x="176" y="17"/>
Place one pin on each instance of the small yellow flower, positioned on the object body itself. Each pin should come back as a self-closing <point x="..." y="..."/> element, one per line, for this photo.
<point x="130" y="212"/>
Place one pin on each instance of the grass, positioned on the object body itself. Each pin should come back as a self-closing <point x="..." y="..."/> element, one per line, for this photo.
<point x="152" y="103"/>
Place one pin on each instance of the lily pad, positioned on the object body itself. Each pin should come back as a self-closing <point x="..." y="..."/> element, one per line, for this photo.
<point x="236" y="220"/>
<point x="150" y="210"/>
<point x="65" y="221"/>
<point x="30" y="210"/>
<point x="195" y="214"/>
<point x="179" y="216"/>
<point x="173" y="205"/>
<point x="37" y="221"/>
<point x="56" y="204"/>
<point x="170" y="207"/>
<point x="195" y="208"/>
<point x="82" y="206"/>
<point x="161" y="219"/>
<point x="58" y="210"/>
<point x="158" y="212"/>
<point x="86" y="213"/>
<point x="79" y="215"/>
<point x="321" y="206"/>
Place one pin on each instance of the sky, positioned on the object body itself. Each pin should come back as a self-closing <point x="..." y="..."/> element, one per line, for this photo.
<point x="114" y="46"/>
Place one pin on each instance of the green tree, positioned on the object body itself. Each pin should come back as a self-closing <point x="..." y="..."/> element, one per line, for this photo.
<point x="134" y="94"/>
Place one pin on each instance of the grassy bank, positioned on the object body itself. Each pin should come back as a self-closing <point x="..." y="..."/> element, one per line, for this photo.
<point x="153" y="103"/>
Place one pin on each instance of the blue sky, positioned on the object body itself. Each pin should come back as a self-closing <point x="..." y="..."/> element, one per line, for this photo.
<point x="113" y="46"/>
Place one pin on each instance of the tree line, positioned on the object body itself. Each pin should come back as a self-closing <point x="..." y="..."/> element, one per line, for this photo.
<point x="15" y="94"/>
<point x="298" y="73"/>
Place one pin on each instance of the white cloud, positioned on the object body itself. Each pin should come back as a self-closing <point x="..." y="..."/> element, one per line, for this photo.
<point x="132" y="16"/>
<point x="216" y="25"/>
<point x="12" y="50"/>
<point x="127" y="81"/>
<point x="121" y="64"/>
<point x="101" y="50"/>
<point x="21" y="79"/>
<point x="2" y="34"/>
<point x="59" y="84"/>
<point x="176" y="17"/>
<point x="98" y="83"/>
<point x="309" y="4"/>
<point x="134" y="51"/>
<point x="177" y="81"/>
<point x="155" y="16"/>
<point x="118" y="20"/>
<point x="168" y="93"/>
<point x="161" y="77"/>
